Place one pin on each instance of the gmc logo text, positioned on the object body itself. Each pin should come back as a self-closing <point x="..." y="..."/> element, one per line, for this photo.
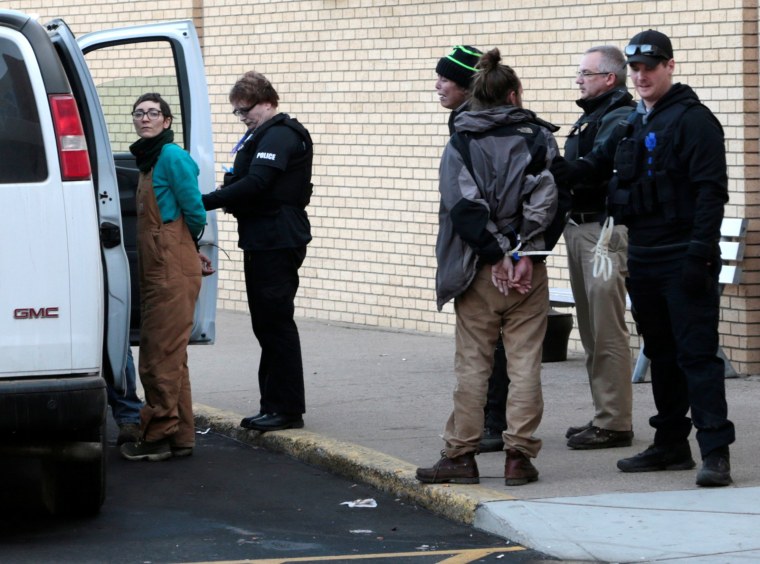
<point x="31" y="313"/>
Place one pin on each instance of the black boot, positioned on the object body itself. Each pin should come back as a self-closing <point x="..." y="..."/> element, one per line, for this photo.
<point x="676" y="456"/>
<point x="716" y="469"/>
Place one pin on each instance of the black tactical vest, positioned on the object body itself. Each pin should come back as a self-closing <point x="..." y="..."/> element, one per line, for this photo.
<point x="580" y="140"/>
<point x="649" y="178"/>
<point x="591" y="196"/>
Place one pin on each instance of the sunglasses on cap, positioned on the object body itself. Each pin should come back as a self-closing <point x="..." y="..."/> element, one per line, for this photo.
<point x="649" y="50"/>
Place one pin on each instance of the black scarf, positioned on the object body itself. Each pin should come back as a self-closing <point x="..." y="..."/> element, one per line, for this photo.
<point x="146" y="151"/>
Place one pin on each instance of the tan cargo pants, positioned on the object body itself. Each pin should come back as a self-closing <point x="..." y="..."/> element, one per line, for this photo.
<point x="480" y="312"/>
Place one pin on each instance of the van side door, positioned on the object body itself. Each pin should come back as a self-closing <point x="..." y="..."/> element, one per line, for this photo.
<point x="113" y="256"/>
<point x="164" y="58"/>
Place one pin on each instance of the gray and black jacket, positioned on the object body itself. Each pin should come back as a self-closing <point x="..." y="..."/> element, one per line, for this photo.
<point x="482" y="218"/>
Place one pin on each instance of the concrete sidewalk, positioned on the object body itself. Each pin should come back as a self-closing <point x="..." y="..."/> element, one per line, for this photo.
<point x="377" y="401"/>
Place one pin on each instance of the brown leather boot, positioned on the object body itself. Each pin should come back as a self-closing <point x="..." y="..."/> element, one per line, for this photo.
<point x="518" y="469"/>
<point x="460" y="470"/>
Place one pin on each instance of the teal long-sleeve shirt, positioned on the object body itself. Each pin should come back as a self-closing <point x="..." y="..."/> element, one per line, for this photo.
<point x="175" y="184"/>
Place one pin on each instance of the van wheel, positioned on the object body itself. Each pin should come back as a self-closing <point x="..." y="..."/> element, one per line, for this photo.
<point x="74" y="488"/>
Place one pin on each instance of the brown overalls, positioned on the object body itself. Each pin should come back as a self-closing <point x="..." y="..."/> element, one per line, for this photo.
<point x="170" y="280"/>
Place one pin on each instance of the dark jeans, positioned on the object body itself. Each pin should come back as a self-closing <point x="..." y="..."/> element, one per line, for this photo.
<point x="498" y="384"/>
<point x="680" y="332"/>
<point x="126" y="408"/>
<point x="271" y="281"/>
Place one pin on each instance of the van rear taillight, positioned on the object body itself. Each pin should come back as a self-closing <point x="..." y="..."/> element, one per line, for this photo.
<point x="72" y="147"/>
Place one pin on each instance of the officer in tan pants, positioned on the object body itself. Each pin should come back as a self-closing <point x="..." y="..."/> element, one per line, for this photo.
<point x="600" y="300"/>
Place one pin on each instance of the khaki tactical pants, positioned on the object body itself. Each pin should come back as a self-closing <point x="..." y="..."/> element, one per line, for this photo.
<point x="600" y="307"/>
<point x="480" y="312"/>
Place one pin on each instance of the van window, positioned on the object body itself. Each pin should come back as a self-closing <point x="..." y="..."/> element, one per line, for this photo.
<point x="22" y="150"/>
<point x="121" y="73"/>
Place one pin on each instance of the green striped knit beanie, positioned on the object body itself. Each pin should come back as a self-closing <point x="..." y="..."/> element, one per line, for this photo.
<point x="459" y="65"/>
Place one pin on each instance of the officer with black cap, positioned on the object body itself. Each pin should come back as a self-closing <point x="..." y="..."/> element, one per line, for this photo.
<point x="669" y="186"/>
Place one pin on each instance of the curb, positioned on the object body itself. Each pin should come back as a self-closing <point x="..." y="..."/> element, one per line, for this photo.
<point x="386" y="473"/>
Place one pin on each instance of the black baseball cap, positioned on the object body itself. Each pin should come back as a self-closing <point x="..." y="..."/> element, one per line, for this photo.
<point x="649" y="47"/>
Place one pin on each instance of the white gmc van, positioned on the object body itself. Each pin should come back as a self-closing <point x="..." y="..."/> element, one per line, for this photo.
<point x="68" y="309"/>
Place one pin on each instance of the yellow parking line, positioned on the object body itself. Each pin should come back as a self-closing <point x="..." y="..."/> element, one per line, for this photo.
<point x="463" y="557"/>
<point x="455" y="556"/>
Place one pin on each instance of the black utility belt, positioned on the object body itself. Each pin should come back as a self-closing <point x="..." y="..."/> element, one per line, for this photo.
<point x="586" y="217"/>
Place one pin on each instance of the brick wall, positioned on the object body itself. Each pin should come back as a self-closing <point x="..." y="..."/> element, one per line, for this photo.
<point x="360" y="75"/>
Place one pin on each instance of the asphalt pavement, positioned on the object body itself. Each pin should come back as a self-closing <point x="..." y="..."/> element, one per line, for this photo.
<point x="377" y="401"/>
<point x="232" y="503"/>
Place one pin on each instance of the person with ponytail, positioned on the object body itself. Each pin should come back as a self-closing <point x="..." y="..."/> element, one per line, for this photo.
<point x="170" y="219"/>
<point x="497" y="200"/>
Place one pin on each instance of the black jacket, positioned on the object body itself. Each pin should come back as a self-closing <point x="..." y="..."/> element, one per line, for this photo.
<point x="269" y="186"/>
<point x="670" y="181"/>
<point x="600" y="117"/>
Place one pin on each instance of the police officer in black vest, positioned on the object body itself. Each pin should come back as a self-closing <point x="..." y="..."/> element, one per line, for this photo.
<point x="267" y="191"/>
<point x="669" y="188"/>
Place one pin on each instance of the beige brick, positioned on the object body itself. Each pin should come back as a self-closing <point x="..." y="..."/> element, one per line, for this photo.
<point x="361" y="76"/>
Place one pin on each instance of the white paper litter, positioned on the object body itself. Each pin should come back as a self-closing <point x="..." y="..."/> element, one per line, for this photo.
<point x="361" y="503"/>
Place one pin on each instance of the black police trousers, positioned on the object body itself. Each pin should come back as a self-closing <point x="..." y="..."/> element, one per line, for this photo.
<point x="680" y="332"/>
<point x="271" y="282"/>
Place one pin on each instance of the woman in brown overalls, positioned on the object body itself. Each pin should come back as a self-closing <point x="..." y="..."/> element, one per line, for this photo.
<point x="170" y="219"/>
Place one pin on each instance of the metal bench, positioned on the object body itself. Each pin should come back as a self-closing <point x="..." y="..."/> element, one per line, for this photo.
<point x="732" y="232"/>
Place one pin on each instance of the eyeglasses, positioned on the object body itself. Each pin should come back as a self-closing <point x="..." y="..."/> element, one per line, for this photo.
<point x="651" y="50"/>
<point x="152" y="114"/>
<point x="238" y="112"/>
<point x="586" y="74"/>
